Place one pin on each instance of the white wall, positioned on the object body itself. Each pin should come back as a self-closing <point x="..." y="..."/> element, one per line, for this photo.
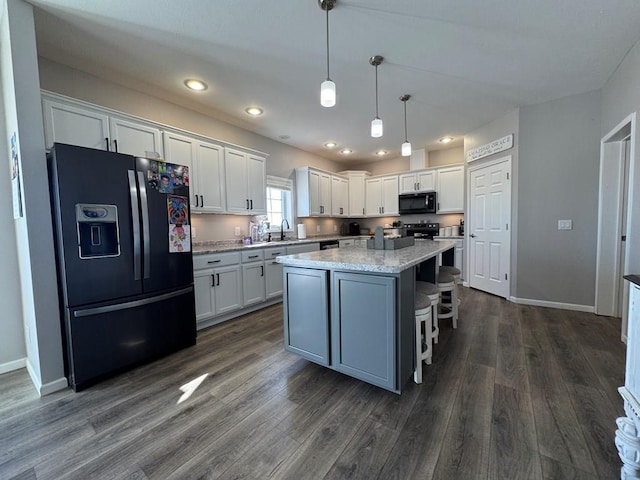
<point x="620" y="97"/>
<point x="12" y="347"/>
<point x="558" y="179"/>
<point x="500" y="127"/>
<point x="34" y="237"/>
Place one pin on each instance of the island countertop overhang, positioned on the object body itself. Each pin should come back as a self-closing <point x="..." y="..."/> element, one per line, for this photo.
<point x="361" y="259"/>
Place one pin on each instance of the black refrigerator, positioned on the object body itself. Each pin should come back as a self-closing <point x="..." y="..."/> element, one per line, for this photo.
<point x="123" y="252"/>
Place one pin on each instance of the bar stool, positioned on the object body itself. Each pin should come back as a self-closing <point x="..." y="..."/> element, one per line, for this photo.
<point x="448" y="303"/>
<point x="431" y="290"/>
<point x="423" y="315"/>
<point x="453" y="271"/>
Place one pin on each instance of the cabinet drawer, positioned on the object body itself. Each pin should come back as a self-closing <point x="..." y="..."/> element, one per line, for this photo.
<point x="215" y="260"/>
<point x="270" y="253"/>
<point x="253" y="255"/>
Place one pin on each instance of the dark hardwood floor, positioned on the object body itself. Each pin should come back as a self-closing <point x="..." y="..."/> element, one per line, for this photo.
<point x="516" y="392"/>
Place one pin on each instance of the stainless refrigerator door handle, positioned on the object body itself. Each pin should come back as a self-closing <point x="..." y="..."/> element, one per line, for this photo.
<point x="145" y="225"/>
<point x="135" y="219"/>
<point x="124" y="306"/>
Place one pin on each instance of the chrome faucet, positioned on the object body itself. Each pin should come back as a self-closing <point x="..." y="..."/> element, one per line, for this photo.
<point x="284" y="220"/>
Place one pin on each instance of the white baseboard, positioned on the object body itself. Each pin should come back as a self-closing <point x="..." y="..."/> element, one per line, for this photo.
<point x="560" y="305"/>
<point x="47" y="388"/>
<point x="13" y="365"/>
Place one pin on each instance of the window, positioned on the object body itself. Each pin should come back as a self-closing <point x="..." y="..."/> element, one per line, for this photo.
<point x="279" y="202"/>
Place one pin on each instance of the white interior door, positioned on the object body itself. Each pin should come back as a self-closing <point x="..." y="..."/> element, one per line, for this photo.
<point x="488" y="223"/>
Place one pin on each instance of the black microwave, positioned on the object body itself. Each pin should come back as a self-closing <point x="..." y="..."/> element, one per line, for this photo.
<point x="424" y="202"/>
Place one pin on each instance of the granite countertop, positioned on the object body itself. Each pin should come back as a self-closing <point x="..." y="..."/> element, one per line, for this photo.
<point x="233" y="246"/>
<point x="363" y="259"/>
<point x="447" y="237"/>
<point x="633" y="278"/>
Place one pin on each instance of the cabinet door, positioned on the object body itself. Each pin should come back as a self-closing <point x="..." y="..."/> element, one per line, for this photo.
<point x="74" y="125"/>
<point x="273" y="278"/>
<point x="427" y="181"/>
<point x="363" y="326"/>
<point x="257" y="185"/>
<point x="203" y="287"/>
<point x="339" y="196"/>
<point x="450" y="191"/>
<point x="390" y="204"/>
<point x="228" y="289"/>
<point x="314" y="193"/>
<point x="408" y="183"/>
<point x="210" y="177"/>
<point x="235" y="166"/>
<point x="458" y="261"/>
<point x="181" y="150"/>
<point x="253" y="287"/>
<point x="135" y="138"/>
<point x="373" y="196"/>
<point x="325" y="194"/>
<point x="306" y="313"/>
<point x="356" y="196"/>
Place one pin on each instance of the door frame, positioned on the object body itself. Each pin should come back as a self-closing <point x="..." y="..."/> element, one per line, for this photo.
<point x="610" y="196"/>
<point x="478" y="165"/>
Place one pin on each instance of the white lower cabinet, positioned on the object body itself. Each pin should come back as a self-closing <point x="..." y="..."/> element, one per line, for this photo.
<point x="273" y="272"/>
<point x="253" y="285"/>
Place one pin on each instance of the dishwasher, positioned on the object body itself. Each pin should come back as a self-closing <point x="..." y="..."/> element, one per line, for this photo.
<point x="327" y="244"/>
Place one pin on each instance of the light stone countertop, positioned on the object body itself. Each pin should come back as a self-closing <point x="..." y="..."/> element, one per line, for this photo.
<point x="230" y="246"/>
<point x="362" y="259"/>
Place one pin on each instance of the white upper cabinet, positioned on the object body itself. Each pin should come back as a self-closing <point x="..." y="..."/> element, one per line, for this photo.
<point x="313" y="192"/>
<point x="450" y="191"/>
<point x="206" y="170"/>
<point x="135" y="138"/>
<point x="257" y="184"/>
<point x="420" y="181"/>
<point x="245" y="182"/>
<point x="339" y="196"/>
<point x="382" y="196"/>
<point x="356" y="194"/>
<point x="75" y="125"/>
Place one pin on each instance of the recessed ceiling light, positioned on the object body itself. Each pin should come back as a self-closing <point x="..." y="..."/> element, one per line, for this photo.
<point x="197" y="85"/>
<point x="346" y="151"/>
<point x="381" y="152"/>
<point x="330" y="144"/>
<point x="446" y="139"/>
<point x="254" y="111"/>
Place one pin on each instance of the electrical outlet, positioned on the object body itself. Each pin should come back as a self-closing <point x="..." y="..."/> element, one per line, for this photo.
<point x="237" y="231"/>
<point x="565" y="224"/>
<point x="318" y="228"/>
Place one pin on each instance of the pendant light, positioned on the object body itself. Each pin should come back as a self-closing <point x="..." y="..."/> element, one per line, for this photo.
<point x="327" y="88"/>
<point x="376" y="123"/>
<point x="406" y="146"/>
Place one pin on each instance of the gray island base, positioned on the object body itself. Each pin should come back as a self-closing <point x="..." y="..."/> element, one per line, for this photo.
<point x="352" y="309"/>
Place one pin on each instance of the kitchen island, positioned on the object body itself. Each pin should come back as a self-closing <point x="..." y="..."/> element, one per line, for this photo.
<point x="352" y="309"/>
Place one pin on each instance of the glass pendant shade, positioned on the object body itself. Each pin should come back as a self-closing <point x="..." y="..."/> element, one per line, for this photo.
<point x="406" y="149"/>
<point x="376" y="127"/>
<point x="328" y="93"/>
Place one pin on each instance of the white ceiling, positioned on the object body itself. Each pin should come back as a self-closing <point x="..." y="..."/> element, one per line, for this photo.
<point x="465" y="62"/>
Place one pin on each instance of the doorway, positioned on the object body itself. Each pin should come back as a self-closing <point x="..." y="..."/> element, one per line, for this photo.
<point x="616" y="152"/>
<point x="488" y="227"/>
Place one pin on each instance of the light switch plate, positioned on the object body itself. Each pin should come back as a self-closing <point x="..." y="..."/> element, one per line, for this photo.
<point x="318" y="228"/>
<point x="237" y="231"/>
<point x="565" y="224"/>
<point x="193" y="231"/>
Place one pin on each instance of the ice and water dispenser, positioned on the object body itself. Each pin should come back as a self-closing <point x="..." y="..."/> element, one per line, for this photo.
<point x="98" y="234"/>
